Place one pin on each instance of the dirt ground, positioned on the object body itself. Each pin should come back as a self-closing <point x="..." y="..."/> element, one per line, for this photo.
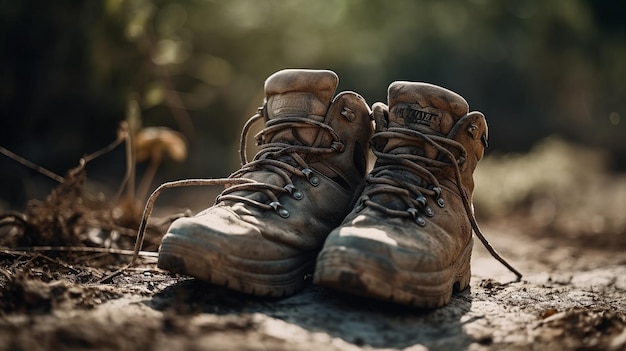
<point x="572" y="297"/>
<point x="56" y="258"/>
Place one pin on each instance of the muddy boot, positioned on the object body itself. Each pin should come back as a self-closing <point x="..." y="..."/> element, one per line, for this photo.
<point x="409" y="237"/>
<point x="264" y="231"/>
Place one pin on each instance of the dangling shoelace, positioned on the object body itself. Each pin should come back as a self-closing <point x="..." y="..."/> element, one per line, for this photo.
<point x="414" y="196"/>
<point x="381" y="175"/>
<point x="266" y="159"/>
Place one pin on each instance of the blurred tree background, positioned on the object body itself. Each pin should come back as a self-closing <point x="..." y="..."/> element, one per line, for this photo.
<point x="70" y="69"/>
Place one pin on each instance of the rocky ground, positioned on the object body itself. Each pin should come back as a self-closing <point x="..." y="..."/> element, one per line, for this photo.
<point x="572" y="297"/>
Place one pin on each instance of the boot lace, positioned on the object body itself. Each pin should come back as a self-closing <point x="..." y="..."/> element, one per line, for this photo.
<point x="271" y="158"/>
<point x="385" y="178"/>
<point x="384" y="175"/>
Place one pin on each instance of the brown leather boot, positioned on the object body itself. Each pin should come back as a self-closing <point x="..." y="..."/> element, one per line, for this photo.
<point x="264" y="232"/>
<point x="409" y="237"/>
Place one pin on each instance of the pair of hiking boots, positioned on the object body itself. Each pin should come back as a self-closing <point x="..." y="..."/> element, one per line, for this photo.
<point x="307" y="204"/>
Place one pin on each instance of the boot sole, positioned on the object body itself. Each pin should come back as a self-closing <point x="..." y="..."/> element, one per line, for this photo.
<point x="366" y="274"/>
<point x="206" y="262"/>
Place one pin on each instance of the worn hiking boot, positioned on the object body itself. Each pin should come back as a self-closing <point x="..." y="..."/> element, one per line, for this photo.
<point x="409" y="236"/>
<point x="266" y="228"/>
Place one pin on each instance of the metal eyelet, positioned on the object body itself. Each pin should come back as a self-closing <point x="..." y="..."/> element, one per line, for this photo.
<point x="437" y="191"/>
<point x="315" y="181"/>
<point x="418" y="219"/>
<point x="412" y="211"/>
<point x="311" y="177"/>
<point x="429" y="211"/>
<point x="338" y="146"/>
<point x="279" y="209"/>
<point x="295" y="193"/>
<point x="348" y="114"/>
<point x="307" y="172"/>
<point x="440" y="201"/>
<point x="361" y="204"/>
<point x="421" y="200"/>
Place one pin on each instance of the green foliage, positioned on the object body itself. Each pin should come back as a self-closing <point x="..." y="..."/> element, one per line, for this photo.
<point x="535" y="68"/>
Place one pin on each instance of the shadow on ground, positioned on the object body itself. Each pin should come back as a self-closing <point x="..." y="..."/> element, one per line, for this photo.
<point x="320" y="311"/>
<point x="570" y="298"/>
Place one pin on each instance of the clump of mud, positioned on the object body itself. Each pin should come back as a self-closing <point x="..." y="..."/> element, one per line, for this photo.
<point x="581" y="328"/>
<point x="60" y="219"/>
<point x="28" y="294"/>
<point x="70" y="217"/>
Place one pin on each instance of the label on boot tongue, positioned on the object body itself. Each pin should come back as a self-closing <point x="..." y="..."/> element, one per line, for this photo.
<point x="294" y="104"/>
<point x="424" y="119"/>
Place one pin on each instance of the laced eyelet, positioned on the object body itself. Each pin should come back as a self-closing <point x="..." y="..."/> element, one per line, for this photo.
<point x="313" y="179"/>
<point x="279" y="209"/>
<point x="412" y="211"/>
<point x="295" y="193"/>
<point x="437" y="191"/>
<point x="338" y="146"/>
<point x="440" y="201"/>
<point x="361" y="204"/>
<point x="258" y="139"/>
<point x="421" y="200"/>
<point x="415" y="214"/>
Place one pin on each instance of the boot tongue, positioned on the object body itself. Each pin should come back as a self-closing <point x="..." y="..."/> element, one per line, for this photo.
<point x="425" y="108"/>
<point x="299" y="93"/>
<point x="293" y="93"/>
